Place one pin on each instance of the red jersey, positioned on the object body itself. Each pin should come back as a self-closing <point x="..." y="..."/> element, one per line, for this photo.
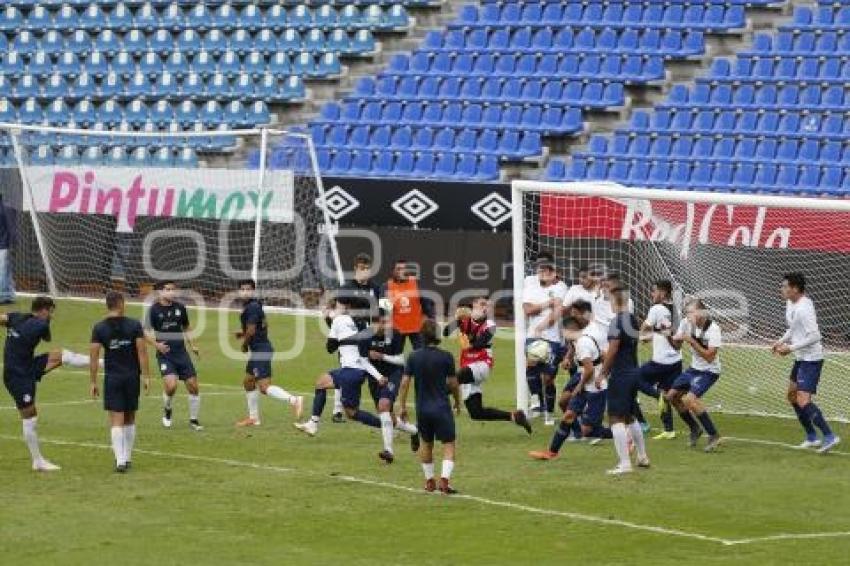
<point x="476" y="341"/>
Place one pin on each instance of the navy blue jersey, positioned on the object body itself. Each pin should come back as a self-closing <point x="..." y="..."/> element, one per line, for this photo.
<point x="252" y="313"/>
<point x="169" y="322"/>
<point x="117" y="335"/>
<point x="624" y="328"/>
<point x="23" y="333"/>
<point x="430" y="368"/>
<point x="362" y="300"/>
<point x="392" y="345"/>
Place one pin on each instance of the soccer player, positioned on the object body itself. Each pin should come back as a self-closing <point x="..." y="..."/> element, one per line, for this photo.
<point x="620" y="367"/>
<point x="587" y="398"/>
<point x="542" y="302"/>
<point x="385" y="352"/>
<point x="704" y="338"/>
<point x="585" y="289"/>
<point x="409" y="308"/>
<point x="258" y="372"/>
<point x="433" y="373"/>
<point x="476" y="331"/>
<point x="23" y="369"/>
<point x="168" y="330"/>
<point x="348" y="378"/>
<point x="803" y="338"/>
<point x="125" y="361"/>
<point x="657" y="375"/>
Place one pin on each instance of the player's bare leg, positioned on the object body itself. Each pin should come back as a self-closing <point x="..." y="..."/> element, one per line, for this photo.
<point x="169" y="388"/>
<point x="252" y="396"/>
<point x="320" y="397"/>
<point x="675" y="397"/>
<point x="697" y="408"/>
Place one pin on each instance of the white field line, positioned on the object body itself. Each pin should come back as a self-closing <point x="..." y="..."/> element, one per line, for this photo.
<point x="785" y="445"/>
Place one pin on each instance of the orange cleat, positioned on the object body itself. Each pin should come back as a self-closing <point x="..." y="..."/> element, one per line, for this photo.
<point x="543" y="455"/>
<point x="247" y="421"/>
<point x="430" y="485"/>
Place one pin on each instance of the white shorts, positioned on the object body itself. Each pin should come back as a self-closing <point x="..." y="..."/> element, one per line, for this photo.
<point x="480" y="373"/>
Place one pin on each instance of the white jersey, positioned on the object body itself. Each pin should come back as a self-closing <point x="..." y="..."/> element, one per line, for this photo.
<point x="660" y="319"/>
<point x="591" y="345"/>
<point x="711" y="338"/>
<point x="579" y="293"/>
<point x="803" y="327"/>
<point x="534" y="293"/>
<point x="603" y="314"/>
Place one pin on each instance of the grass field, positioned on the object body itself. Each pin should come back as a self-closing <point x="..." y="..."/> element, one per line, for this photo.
<point x="273" y="496"/>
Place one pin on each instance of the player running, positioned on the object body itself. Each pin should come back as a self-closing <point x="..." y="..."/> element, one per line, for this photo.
<point x="588" y="396"/>
<point x="476" y="332"/>
<point x="23" y="369"/>
<point x="704" y="338"/>
<point x="125" y="360"/>
<point x="167" y="329"/>
<point x="433" y="373"/>
<point x="385" y="352"/>
<point x="657" y="375"/>
<point x="620" y="366"/>
<point x="803" y="338"/>
<point x="258" y="371"/>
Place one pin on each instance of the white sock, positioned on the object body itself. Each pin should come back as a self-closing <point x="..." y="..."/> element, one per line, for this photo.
<point x="31" y="438"/>
<point x="337" y="401"/>
<point x="253" y="398"/>
<point x="194" y="406"/>
<point x="448" y="466"/>
<point x="167" y="400"/>
<point x="129" y="441"/>
<point x="280" y="394"/>
<point x="74" y="359"/>
<point x="621" y="444"/>
<point x="407" y="427"/>
<point x="387" y="430"/>
<point x="638" y="439"/>
<point x="428" y="470"/>
<point x="118" y="444"/>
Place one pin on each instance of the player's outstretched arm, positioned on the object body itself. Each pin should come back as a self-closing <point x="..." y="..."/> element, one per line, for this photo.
<point x="94" y="356"/>
<point x="142" y="352"/>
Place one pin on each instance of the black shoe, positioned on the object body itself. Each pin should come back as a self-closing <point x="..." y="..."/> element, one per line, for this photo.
<point x="337" y="418"/>
<point x="194" y="424"/>
<point x="120" y="468"/>
<point x="695" y="434"/>
<point x="386" y="456"/>
<point x="521" y="420"/>
<point x="446" y="488"/>
<point x="128" y="465"/>
<point x="414" y="442"/>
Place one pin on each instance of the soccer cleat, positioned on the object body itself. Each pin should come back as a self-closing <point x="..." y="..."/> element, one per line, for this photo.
<point x="665" y="435"/>
<point x="414" y="442"/>
<point x="45" y="466"/>
<point x="828" y="444"/>
<point x="430" y="485"/>
<point x="619" y="470"/>
<point x="166" y="418"/>
<point x="521" y="420"/>
<point x="298" y="407"/>
<point x="595" y="440"/>
<point x="694" y="437"/>
<point x="813" y="443"/>
<point x="194" y="424"/>
<point x="446" y="488"/>
<point x="246" y="422"/>
<point x="308" y="427"/>
<point x="543" y="454"/>
<point x="713" y="442"/>
<point x="120" y="468"/>
<point x="643" y="463"/>
<point x="128" y="465"/>
<point x="386" y="456"/>
<point x="337" y="418"/>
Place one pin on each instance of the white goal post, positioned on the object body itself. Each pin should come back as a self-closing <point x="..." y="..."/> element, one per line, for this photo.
<point x="730" y="249"/>
<point x="99" y="208"/>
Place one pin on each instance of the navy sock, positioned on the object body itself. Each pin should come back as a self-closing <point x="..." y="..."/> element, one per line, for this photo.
<point x="707" y="424"/>
<point x="367" y="419"/>
<point x="550" y="397"/>
<point x="805" y="421"/>
<point x="561" y="434"/>
<point x="576" y="429"/>
<point x="689" y="420"/>
<point x="814" y="413"/>
<point x="321" y="396"/>
<point x="667" y="418"/>
<point x="600" y="431"/>
<point x="639" y="414"/>
<point x="534" y="386"/>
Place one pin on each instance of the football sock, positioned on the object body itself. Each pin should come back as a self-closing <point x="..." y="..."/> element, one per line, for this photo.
<point x="560" y="436"/>
<point x="31" y="438"/>
<point x="337" y="401"/>
<point x="667" y="417"/>
<point x="707" y="424"/>
<point x="621" y="444"/>
<point x="253" y="398"/>
<point x="194" y="406"/>
<point x="448" y="467"/>
<point x="167" y="401"/>
<point x="689" y="420"/>
<point x="816" y="416"/>
<point x="280" y="394"/>
<point x="74" y="359"/>
<point x="576" y="429"/>
<point x="550" y="398"/>
<point x="806" y="421"/>
<point x="639" y="414"/>
<point x="387" y="430"/>
<point x="129" y="441"/>
<point x="428" y="470"/>
<point x="638" y="439"/>
<point x="320" y="397"/>
<point x="118" y="444"/>
<point x="405" y="426"/>
<point x="367" y="418"/>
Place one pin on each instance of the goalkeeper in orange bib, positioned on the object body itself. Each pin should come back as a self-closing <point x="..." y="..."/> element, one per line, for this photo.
<point x="475" y="332"/>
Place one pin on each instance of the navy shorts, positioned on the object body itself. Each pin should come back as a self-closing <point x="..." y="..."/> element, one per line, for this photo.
<point x="22" y="384"/>
<point x="806" y="375"/>
<point x="121" y="393"/>
<point x="622" y="394"/>
<point x="176" y="363"/>
<point x="695" y="381"/>
<point x="662" y="375"/>
<point x="551" y="366"/>
<point x="436" y="424"/>
<point x="260" y="363"/>
<point x="349" y="381"/>
<point x="389" y="391"/>
<point x="594" y="408"/>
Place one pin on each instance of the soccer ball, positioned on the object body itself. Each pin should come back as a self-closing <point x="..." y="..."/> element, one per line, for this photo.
<point x="538" y="352"/>
<point x="385" y="305"/>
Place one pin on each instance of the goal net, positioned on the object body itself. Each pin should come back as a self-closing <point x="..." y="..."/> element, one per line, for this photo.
<point x="731" y="250"/>
<point x="97" y="210"/>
